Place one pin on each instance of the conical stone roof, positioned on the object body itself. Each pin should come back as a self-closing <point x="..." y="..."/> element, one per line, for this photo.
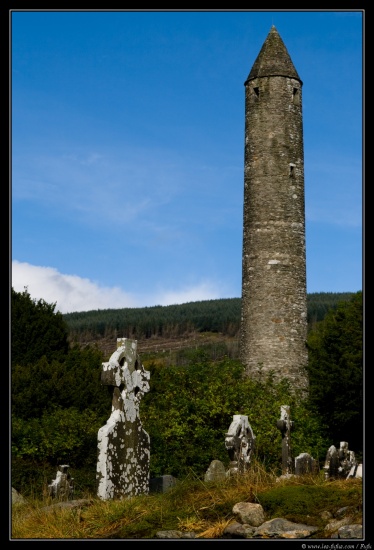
<point x="273" y="59"/>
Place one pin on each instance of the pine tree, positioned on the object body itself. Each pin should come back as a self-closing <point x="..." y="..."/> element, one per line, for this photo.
<point x="336" y="371"/>
<point x="36" y="330"/>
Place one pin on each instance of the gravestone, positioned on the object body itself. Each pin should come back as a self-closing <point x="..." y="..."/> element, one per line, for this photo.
<point x="286" y="425"/>
<point x="162" y="484"/>
<point x="347" y="459"/>
<point x="215" y="472"/>
<point x="340" y="462"/>
<point x="355" y="471"/>
<point x="123" y="444"/>
<point x="332" y="464"/>
<point x="62" y="487"/>
<point x="17" y="498"/>
<point x="305" y="464"/>
<point x="239" y="442"/>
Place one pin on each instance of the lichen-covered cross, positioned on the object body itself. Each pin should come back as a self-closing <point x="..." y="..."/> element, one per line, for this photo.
<point x="125" y="371"/>
<point x="240" y="443"/>
<point x="123" y="444"/>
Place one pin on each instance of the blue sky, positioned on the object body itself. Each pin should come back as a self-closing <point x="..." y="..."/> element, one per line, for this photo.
<point x="128" y="151"/>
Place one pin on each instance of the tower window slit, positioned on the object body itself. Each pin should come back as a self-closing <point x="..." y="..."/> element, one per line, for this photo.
<point x="296" y="96"/>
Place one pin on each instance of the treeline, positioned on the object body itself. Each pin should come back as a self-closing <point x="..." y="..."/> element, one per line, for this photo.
<point x="221" y="316"/>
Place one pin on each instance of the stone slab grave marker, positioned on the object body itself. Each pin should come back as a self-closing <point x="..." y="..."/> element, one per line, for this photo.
<point x="286" y="425"/>
<point x="239" y="442"/>
<point x="162" y="484"/>
<point x="123" y="444"/>
<point x="62" y="487"/>
<point x="347" y="459"/>
<point x="215" y="472"/>
<point x="305" y="464"/>
<point x="339" y="462"/>
<point x="332" y="464"/>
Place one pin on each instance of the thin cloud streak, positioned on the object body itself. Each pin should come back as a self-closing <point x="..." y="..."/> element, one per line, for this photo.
<point x="95" y="183"/>
<point x="119" y="185"/>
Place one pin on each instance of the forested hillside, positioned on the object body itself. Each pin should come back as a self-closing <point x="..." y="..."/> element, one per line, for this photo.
<point x="221" y="316"/>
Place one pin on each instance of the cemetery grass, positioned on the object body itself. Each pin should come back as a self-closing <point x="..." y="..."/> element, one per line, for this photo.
<point x="191" y="505"/>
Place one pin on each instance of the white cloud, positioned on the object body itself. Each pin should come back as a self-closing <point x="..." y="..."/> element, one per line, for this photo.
<point x="72" y="293"/>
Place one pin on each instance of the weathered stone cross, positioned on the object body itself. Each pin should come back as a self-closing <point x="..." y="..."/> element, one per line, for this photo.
<point x="286" y="425"/>
<point x="123" y="444"/>
<point x="240" y="443"/>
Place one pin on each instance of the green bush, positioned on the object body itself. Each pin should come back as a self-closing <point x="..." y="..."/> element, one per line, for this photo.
<point x="37" y="330"/>
<point x="189" y="409"/>
<point x="58" y="437"/>
<point x="73" y="382"/>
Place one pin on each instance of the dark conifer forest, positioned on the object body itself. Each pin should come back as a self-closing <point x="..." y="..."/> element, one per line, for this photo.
<point x="222" y="315"/>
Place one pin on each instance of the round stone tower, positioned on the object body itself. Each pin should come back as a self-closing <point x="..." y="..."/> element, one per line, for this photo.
<point x="274" y="306"/>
